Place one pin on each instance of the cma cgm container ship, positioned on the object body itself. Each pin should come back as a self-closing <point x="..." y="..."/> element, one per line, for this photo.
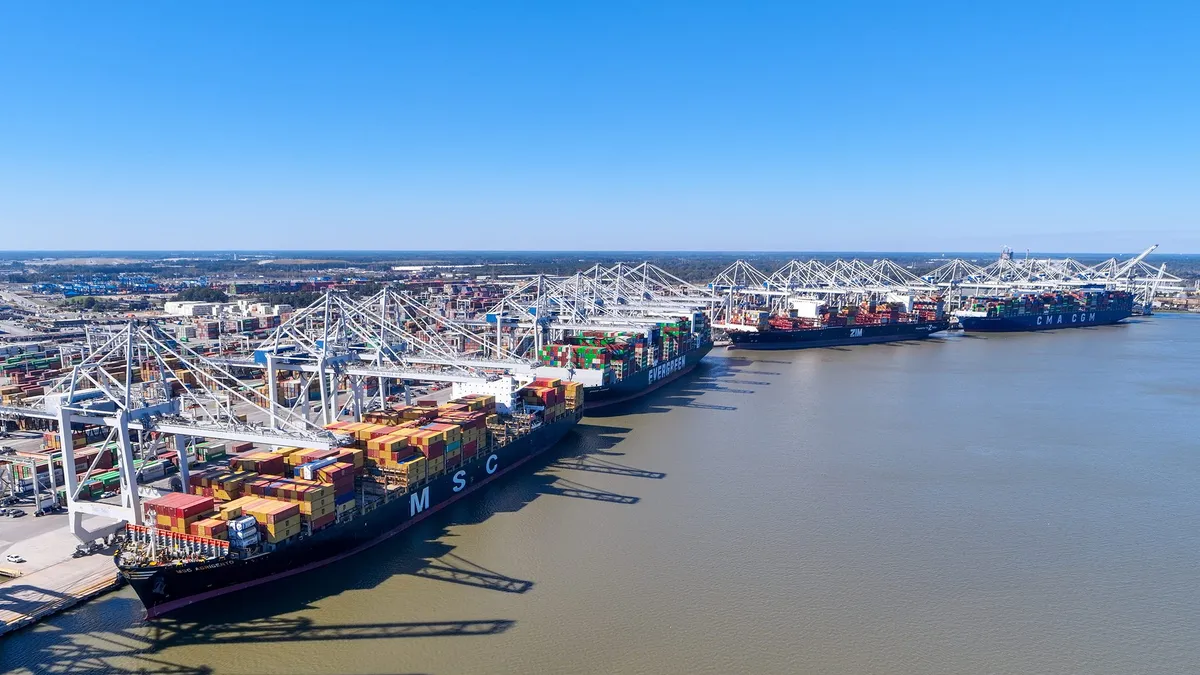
<point x="619" y="366"/>
<point x="810" y="323"/>
<point x="276" y="513"/>
<point x="1046" y="311"/>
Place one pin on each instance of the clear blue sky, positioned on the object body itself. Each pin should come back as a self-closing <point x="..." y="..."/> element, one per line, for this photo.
<point x="1056" y="126"/>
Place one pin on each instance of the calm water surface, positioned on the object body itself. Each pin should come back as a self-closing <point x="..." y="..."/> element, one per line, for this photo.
<point x="1011" y="504"/>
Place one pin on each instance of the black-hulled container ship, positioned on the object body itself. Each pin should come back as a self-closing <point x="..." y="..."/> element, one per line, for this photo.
<point x="812" y="324"/>
<point x="196" y="548"/>
<point x="616" y="367"/>
<point x="1046" y="311"/>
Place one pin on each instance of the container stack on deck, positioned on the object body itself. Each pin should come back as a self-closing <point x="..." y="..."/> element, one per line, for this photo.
<point x="1054" y="302"/>
<point x="625" y="353"/>
<point x="550" y="394"/>
<point x="864" y="314"/>
<point x="273" y="496"/>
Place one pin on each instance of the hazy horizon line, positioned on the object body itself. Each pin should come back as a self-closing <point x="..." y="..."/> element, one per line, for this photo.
<point x="941" y="252"/>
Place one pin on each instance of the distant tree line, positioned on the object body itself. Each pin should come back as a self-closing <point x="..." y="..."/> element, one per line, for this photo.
<point x="201" y="294"/>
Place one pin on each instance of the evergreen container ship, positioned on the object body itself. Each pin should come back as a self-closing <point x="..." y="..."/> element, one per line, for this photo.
<point x="276" y="513"/>
<point x="1046" y="311"/>
<point x="809" y="323"/>
<point x="616" y="367"/>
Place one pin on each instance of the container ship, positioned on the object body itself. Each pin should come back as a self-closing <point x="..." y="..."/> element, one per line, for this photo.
<point x="274" y="513"/>
<point x="809" y="323"/>
<point x="615" y="367"/>
<point x="1046" y="311"/>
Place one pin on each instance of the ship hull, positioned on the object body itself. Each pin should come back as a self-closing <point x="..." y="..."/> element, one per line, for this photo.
<point x="1033" y="322"/>
<point x="834" y="336"/>
<point x="165" y="589"/>
<point x="644" y="381"/>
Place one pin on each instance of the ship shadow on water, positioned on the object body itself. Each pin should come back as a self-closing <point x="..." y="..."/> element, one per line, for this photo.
<point x="717" y="377"/>
<point x="282" y="612"/>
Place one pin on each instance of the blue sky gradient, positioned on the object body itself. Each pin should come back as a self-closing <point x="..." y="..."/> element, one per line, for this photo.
<point x="671" y="125"/>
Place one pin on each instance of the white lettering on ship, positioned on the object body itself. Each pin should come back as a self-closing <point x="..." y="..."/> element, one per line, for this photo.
<point x="493" y="463"/>
<point x="855" y="332"/>
<point x="460" y="481"/>
<point x="667" y="367"/>
<point x="418" y="502"/>
<point x="1084" y="317"/>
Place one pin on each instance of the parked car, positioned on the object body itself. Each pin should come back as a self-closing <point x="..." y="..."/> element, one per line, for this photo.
<point x="14" y="558"/>
<point x="15" y="513"/>
<point x="107" y="494"/>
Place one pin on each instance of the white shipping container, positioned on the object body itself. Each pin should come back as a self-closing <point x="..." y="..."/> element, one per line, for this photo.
<point x="152" y="471"/>
<point x="243" y="524"/>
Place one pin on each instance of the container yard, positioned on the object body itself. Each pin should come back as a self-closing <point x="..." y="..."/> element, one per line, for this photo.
<point x="254" y="441"/>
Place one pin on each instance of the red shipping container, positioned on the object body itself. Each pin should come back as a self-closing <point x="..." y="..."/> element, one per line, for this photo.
<point x="324" y="521"/>
<point x="343" y="486"/>
<point x="431" y="451"/>
<point x="238" y="448"/>
<point x="335" y="472"/>
<point x="180" y="505"/>
<point x="469" y="449"/>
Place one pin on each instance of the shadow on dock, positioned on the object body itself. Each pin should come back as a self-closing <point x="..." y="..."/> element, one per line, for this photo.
<point x="21" y="598"/>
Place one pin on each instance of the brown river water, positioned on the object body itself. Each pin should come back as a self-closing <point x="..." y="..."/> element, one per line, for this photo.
<point x="1024" y="503"/>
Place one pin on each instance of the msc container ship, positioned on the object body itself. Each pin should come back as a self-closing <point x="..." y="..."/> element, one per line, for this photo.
<point x="616" y="367"/>
<point x="810" y="323"/>
<point x="1046" y="311"/>
<point x="277" y="513"/>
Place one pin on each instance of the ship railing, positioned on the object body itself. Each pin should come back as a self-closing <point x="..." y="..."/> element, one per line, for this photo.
<point x="163" y="545"/>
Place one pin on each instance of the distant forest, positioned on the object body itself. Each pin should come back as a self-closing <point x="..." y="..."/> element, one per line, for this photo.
<point x="697" y="267"/>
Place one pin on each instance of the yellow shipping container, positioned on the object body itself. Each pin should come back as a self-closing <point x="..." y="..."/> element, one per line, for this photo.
<point x="435" y="466"/>
<point x="414" y="469"/>
<point x="279" y="525"/>
<point x="280" y="535"/>
<point x="364" y="434"/>
<point x="358" y="457"/>
<point x="389" y="443"/>
<point x="354" y="427"/>
<point x="317" y="509"/>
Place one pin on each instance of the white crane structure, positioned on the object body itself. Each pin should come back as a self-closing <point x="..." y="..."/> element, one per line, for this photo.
<point x="834" y="283"/>
<point x="343" y="348"/>
<point x="959" y="278"/>
<point x="621" y="298"/>
<point x="148" y="389"/>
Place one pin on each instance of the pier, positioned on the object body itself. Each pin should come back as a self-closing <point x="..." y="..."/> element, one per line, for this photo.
<point x="50" y="580"/>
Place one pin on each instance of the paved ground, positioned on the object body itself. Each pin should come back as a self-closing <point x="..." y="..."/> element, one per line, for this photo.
<point x="44" y="541"/>
<point x="51" y="580"/>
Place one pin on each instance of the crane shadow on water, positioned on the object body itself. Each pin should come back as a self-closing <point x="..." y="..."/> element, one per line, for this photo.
<point x="69" y="643"/>
<point x="288" y="611"/>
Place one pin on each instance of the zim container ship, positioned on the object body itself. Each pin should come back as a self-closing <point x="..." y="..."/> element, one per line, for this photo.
<point x="615" y="367"/>
<point x="276" y="513"/>
<point x="1046" y="311"/>
<point x="810" y="323"/>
